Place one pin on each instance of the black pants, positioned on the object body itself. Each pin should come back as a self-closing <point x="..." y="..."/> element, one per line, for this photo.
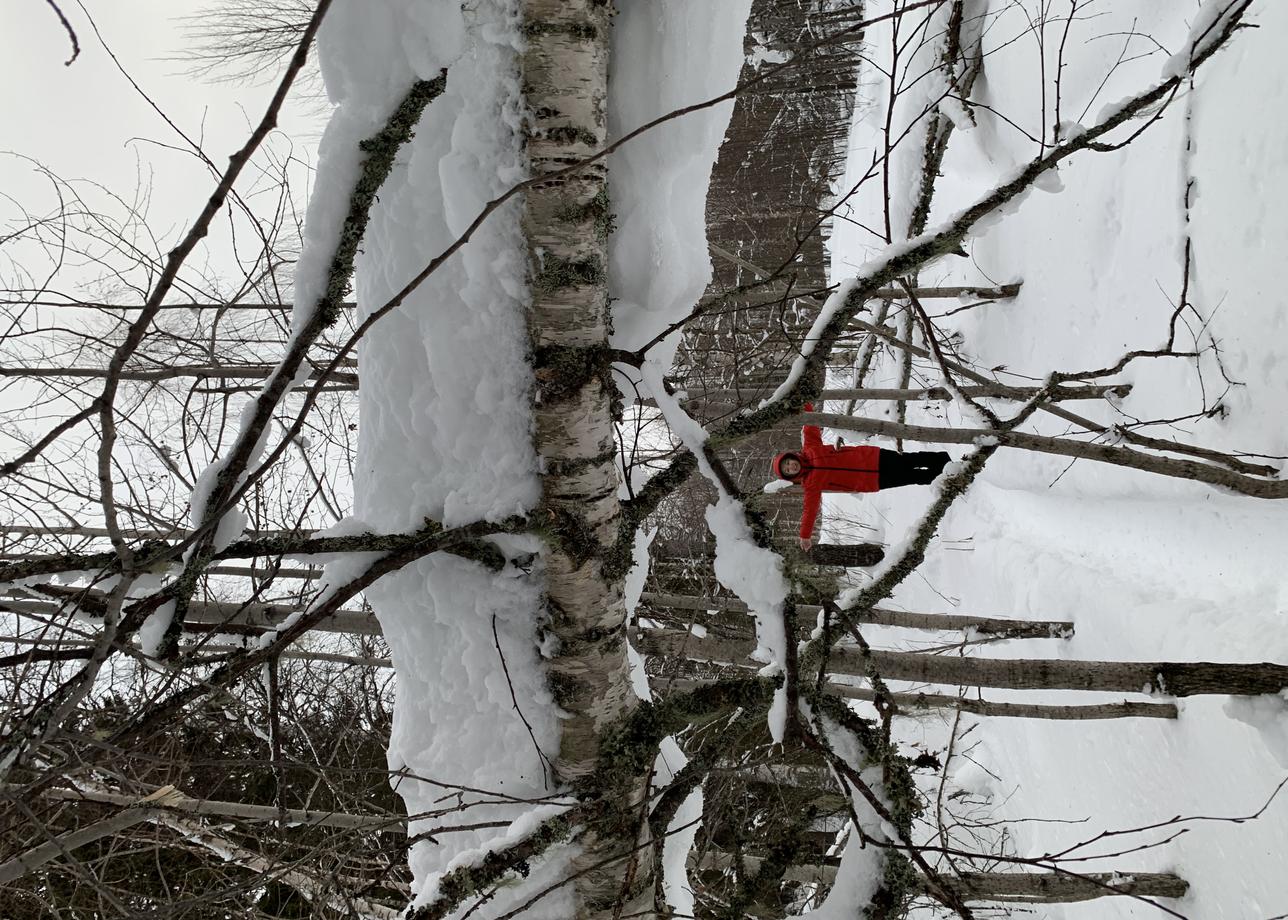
<point x="915" y="468"/>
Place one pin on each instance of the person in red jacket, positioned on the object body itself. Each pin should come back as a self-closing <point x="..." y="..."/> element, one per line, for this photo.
<point x="820" y="468"/>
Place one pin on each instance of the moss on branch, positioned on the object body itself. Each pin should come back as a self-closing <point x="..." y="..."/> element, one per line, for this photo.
<point x="381" y="149"/>
<point x="468" y="881"/>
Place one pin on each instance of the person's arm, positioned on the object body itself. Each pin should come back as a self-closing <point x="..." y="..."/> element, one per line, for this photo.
<point x="809" y="513"/>
<point x="811" y="435"/>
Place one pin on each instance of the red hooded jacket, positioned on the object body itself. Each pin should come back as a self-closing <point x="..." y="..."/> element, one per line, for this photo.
<point x="830" y="469"/>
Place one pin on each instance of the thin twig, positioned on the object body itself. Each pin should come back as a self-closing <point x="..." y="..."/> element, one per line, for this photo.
<point x="71" y="33"/>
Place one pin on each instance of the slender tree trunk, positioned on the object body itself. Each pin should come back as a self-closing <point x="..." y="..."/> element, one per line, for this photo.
<point x="1064" y="447"/>
<point x="71" y="649"/>
<point x="927" y="293"/>
<point x="727" y="400"/>
<point x="912" y="704"/>
<point x="565" y="75"/>
<point x="1020" y="887"/>
<point x="324" y="892"/>
<point x="1167" y="678"/>
<point x="217" y="615"/>
<point x="909" y="704"/>
<point x="904" y="357"/>
<point x="86" y="533"/>
<point x="198" y="371"/>
<point x="133" y="308"/>
<point x="879" y="616"/>
<point x="242" y="810"/>
<point x="247" y="571"/>
<point x="1062" y="888"/>
<point x="769" y="293"/>
<point x="63" y="844"/>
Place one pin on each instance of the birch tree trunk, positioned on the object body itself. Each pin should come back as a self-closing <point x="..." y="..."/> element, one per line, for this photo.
<point x="63" y="845"/>
<point x="565" y="74"/>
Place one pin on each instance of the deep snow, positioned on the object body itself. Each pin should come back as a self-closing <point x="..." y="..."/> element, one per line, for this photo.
<point x="1148" y="568"/>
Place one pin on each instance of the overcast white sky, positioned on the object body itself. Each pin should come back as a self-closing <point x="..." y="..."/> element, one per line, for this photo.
<point x="85" y="121"/>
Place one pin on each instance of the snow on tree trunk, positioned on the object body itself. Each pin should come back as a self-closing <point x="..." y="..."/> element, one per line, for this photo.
<point x="446" y="421"/>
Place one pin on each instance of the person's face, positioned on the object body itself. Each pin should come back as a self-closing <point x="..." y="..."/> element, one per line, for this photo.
<point x="790" y="467"/>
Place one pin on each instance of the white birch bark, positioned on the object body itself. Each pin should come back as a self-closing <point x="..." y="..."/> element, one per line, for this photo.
<point x="565" y="76"/>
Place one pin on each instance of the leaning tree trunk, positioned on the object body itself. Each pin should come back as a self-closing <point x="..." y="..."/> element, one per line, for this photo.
<point x="565" y="76"/>
<point x="1004" y="887"/>
<point x="993" y="627"/>
<point x="1064" y="887"/>
<point x="663" y="680"/>
<point x="1168" y="678"/>
<point x="1064" y="447"/>
<point x="852" y="555"/>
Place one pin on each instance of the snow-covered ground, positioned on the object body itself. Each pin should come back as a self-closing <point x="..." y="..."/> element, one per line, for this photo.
<point x="1148" y="568"/>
